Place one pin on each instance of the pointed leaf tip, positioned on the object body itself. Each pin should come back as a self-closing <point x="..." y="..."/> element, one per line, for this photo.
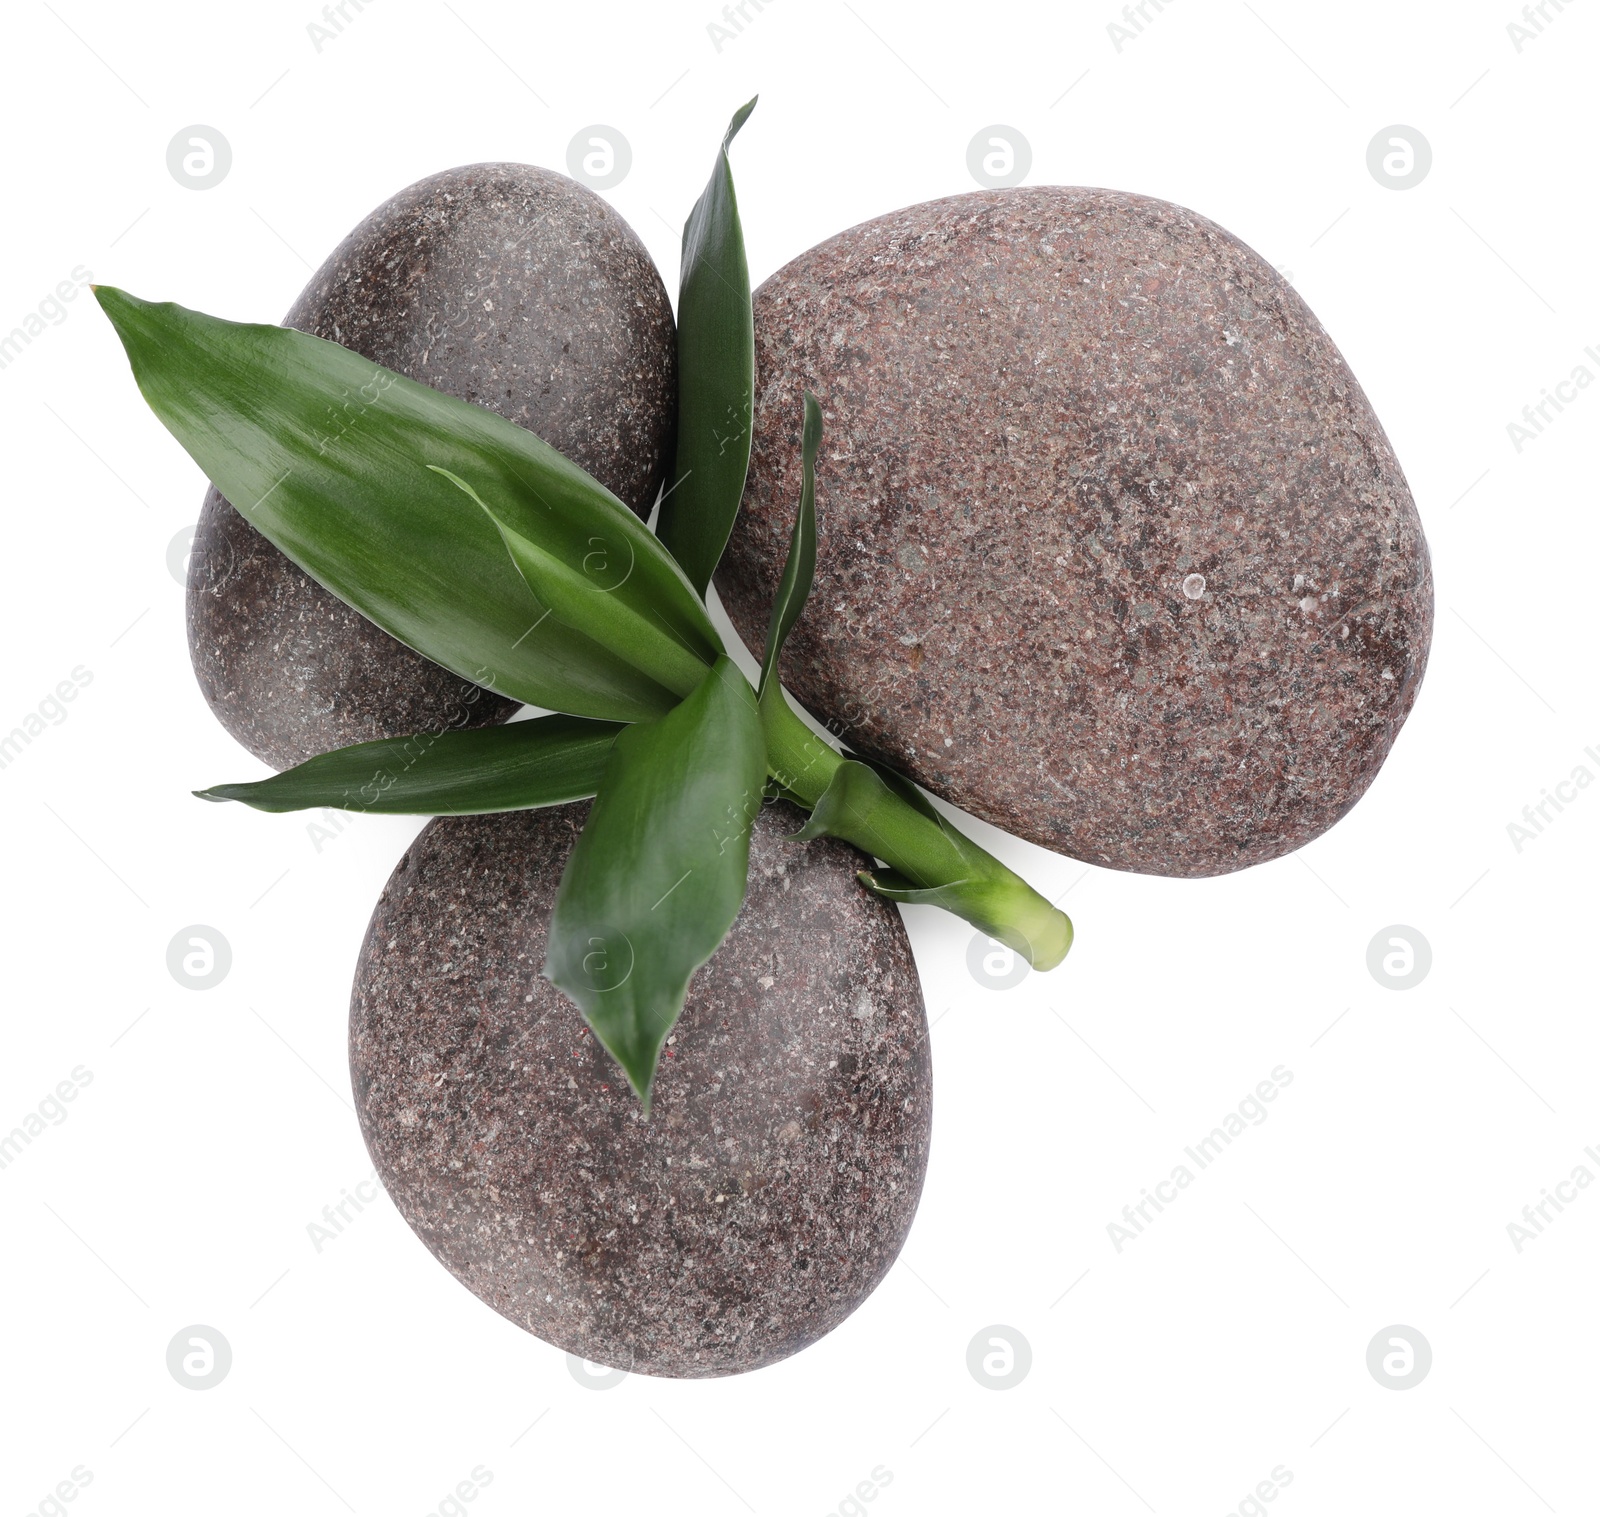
<point x="321" y="451"/>
<point x="118" y="304"/>
<point x="740" y="116"/>
<point x="799" y="569"/>
<point x="658" y="874"/>
<point x="716" y="377"/>
<point x="462" y="772"/>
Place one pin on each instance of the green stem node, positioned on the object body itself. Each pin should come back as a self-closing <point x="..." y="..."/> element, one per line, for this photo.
<point x="930" y="863"/>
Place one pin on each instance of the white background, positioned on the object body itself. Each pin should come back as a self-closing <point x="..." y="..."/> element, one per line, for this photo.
<point x="1227" y="1340"/>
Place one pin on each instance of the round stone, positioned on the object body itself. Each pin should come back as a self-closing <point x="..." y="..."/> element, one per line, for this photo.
<point x="774" y="1182"/>
<point x="506" y="285"/>
<point x="1113" y="552"/>
<point x="292" y="671"/>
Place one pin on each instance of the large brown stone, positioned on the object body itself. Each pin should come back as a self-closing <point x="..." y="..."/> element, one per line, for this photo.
<point x="1113" y="551"/>
<point x="502" y="284"/>
<point x="776" y="1178"/>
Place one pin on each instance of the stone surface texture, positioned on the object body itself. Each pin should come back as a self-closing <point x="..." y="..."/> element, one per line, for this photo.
<point x="776" y="1178"/>
<point x="506" y="285"/>
<point x="1112" y="550"/>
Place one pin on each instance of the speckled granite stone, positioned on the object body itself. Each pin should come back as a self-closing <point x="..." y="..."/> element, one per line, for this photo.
<point x="777" y="1176"/>
<point x="1113" y="551"/>
<point x="506" y="285"/>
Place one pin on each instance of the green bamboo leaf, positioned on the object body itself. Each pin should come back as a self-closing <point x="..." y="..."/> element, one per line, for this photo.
<point x="658" y="875"/>
<point x="579" y="596"/>
<point x="716" y="377"/>
<point x="800" y="567"/>
<point x="324" y="453"/>
<point x="542" y="762"/>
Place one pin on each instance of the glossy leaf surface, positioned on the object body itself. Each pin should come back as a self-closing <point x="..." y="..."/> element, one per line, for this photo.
<point x="800" y="568"/>
<point x="658" y="875"/>
<point x="328" y="455"/>
<point x="542" y="762"/>
<point x="716" y="377"/>
<point x="593" y="595"/>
